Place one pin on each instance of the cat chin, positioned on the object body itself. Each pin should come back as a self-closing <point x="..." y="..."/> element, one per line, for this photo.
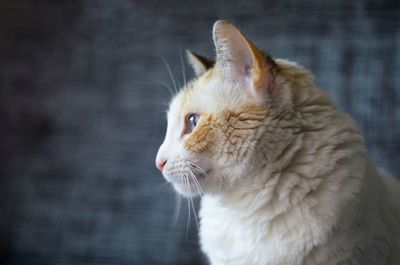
<point x="191" y="185"/>
<point x="188" y="191"/>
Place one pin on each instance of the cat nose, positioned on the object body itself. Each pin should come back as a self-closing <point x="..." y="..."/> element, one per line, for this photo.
<point x="161" y="158"/>
<point x="160" y="164"/>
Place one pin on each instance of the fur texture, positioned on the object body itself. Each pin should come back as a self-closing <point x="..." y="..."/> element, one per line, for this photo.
<point x="286" y="177"/>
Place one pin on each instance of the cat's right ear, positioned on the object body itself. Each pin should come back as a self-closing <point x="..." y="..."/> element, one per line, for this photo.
<point x="199" y="63"/>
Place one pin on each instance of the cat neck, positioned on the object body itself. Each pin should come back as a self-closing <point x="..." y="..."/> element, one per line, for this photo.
<point x="306" y="171"/>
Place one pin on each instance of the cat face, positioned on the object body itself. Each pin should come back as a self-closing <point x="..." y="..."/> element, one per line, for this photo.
<point x="215" y="123"/>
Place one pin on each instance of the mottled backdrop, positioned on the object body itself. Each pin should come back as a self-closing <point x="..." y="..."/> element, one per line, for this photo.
<point x="82" y="112"/>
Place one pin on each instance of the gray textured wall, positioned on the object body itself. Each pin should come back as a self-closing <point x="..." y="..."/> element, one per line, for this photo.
<point x="82" y="112"/>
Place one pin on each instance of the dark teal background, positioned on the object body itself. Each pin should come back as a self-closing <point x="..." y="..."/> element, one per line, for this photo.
<point x="82" y="112"/>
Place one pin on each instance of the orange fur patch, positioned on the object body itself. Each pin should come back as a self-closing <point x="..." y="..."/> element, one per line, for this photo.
<point x="202" y="137"/>
<point x="227" y="131"/>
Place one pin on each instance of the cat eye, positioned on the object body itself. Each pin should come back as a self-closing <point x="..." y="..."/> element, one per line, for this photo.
<point x="192" y="121"/>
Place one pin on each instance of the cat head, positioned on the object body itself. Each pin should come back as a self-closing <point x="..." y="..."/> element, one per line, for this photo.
<point x="218" y="123"/>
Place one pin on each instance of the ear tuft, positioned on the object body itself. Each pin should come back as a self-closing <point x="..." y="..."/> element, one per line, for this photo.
<point x="200" y="64"/>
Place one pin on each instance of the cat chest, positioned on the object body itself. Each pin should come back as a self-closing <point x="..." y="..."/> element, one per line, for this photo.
<point x="227" y="239"/>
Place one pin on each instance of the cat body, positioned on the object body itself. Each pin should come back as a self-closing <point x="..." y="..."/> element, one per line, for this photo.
<point x="286" y="177"/>
<point x="322" y="202"/>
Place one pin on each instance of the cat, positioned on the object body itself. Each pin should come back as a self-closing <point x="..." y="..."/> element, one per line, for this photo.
<point x="286" y="178"/>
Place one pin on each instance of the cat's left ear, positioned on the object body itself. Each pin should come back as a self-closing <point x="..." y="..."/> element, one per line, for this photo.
<point x="240" y="60"/>
<point x="200" y="64"/>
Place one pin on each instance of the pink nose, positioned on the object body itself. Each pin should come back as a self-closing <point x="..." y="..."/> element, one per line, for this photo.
<point x="161" y="164"/>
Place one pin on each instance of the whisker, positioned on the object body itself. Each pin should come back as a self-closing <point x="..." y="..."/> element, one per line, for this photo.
<point x="188" y="203"/>
<point x="194" y="175"/>
<point x="165" y="104"/>
<point x="177" y="208"/>
<point x="195" y="181"/>
<point x="170" y="74"/>
<point x="190" y="199"/>
<point x="182" y="65"/>
<point x="178" y="83"/>
<point x="194" y="212"/>
<point x="170" y="90"/>
<point x="194" y="164"/>
<point x="197" y="184"/>
<point x="198" y="168"/>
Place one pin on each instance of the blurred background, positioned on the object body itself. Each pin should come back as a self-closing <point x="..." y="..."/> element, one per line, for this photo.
<point x="82" y="112"/>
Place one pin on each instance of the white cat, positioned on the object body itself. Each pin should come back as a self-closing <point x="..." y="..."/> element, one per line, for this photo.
<point x="286" y="177"/>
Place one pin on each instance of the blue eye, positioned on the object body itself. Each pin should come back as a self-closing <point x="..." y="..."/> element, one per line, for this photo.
<point x="192" y="121"/>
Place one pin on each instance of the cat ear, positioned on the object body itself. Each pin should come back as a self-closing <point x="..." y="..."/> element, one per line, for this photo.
<point x="240" y="60"/>
<point x="199" y="63"/>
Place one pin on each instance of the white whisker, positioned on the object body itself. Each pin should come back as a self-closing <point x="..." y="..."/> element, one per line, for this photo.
<point x="195" y="181"/>
<point x="198" y="167"/>
<point x="182" y="65"/>
<point x="170" y="74"/>
<point x="170" y="90"/>
<point x="194" y="212"/>
<point x="177" y="208"/>
<point x="188" y="203"/>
